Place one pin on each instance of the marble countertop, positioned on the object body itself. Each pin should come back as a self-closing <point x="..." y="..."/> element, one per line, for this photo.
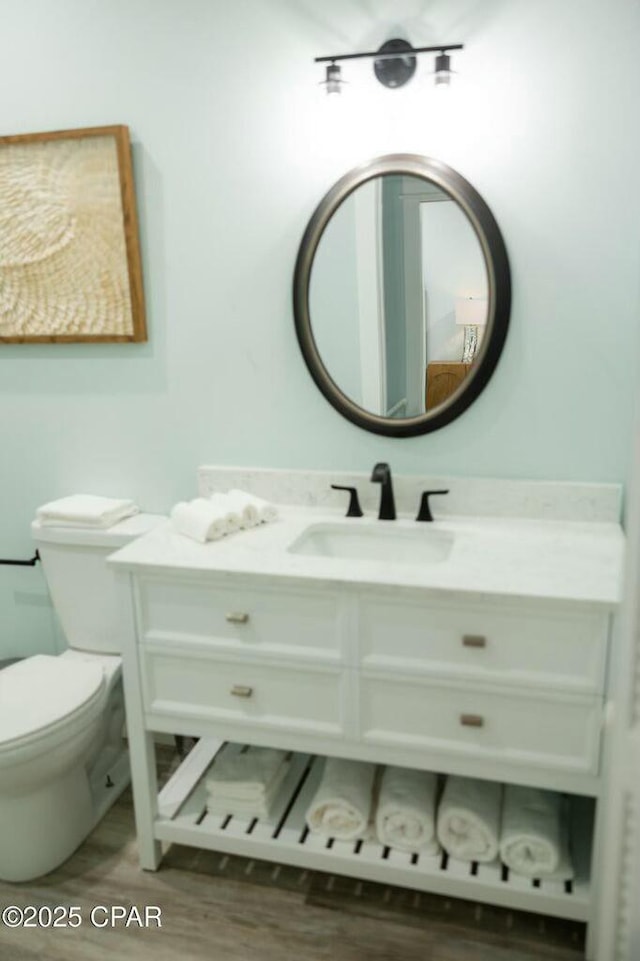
<point x="513" y="557"/>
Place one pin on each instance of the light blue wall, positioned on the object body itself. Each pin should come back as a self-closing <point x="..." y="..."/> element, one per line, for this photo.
<point x="234" y="144"/>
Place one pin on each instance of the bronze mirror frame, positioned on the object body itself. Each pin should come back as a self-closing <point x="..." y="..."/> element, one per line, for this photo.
<point x="498" y="305"/>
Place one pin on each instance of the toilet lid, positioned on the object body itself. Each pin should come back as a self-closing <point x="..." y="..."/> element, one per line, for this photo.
<point x="41" y="691"/>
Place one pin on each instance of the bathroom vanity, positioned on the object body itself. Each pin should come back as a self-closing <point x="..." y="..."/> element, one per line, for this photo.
<point x="478" y="645"/>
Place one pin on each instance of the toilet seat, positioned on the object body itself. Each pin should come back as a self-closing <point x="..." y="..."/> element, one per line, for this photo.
<point x="41" y="694"/>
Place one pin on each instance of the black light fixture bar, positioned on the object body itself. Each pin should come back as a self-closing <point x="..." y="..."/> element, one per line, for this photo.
<point x="394" y="64"/>
<point x="439" y="48"/>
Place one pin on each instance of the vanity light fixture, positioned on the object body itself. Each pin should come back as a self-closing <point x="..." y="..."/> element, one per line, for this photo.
<point x="394" y="64"/>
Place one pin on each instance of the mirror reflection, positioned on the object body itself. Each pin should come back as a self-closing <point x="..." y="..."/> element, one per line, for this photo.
<point x="398" y="296"/>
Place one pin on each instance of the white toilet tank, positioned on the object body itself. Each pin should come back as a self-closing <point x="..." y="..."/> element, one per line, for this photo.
<point x="81" y="585"/>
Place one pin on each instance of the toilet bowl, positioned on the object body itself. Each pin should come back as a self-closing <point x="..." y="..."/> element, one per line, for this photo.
<point x="63" y="760"/>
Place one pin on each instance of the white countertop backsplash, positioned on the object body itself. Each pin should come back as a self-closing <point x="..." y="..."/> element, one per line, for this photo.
<point x="475" y="497"/>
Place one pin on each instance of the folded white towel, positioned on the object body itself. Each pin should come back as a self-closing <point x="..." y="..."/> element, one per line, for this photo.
<point x="534" y="839"/>
<point x="341" y="806"/>
<point x="468" y="823"/>
<point x="266" y="511"/>
<point x="406" y="810"/>
<point x="198" y="521"/>
<point x="247" y="774"/>
<point x="260" y="805"/>
<point x="247" y="783"/>
<point x="86" y="510"/>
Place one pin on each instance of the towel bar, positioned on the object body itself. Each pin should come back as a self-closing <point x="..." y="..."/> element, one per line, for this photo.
<point x="30" y="563"/>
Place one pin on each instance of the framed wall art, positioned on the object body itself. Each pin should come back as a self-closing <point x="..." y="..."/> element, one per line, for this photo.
<point x="69" y="249"/>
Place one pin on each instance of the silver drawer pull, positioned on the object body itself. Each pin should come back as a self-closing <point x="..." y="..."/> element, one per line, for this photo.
<point x="474" y="640"/>
<point x="240" y="690"/>
<point x="237" y="617"/>
<point x="472" y="720"/>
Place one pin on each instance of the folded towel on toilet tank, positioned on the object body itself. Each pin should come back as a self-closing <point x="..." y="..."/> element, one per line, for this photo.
<point x="86" y="510"/>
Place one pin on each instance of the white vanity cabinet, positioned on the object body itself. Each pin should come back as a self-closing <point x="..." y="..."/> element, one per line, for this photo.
<point x="489" y="688"/>
<point x="500" y="687"/>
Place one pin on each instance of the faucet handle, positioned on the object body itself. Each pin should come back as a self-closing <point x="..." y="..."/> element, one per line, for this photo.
<point x="424" y="514"/>
<point x="354" y="503"/>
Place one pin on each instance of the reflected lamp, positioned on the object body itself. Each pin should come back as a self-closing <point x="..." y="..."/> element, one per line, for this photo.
<point x="471" y="313"/>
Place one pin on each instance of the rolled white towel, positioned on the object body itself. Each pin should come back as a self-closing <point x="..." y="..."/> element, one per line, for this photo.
<point x="266" y="510"/>
<point x="197" y="522"/>
<point x="85" y="510"/>
<point x="406" y="810"/>
<point x="468" y="823"/>
<point x="534" y="838"/>
<point x="341" y="806"/>
<point x="220" y="507"/>
<point x="246" y="510"/>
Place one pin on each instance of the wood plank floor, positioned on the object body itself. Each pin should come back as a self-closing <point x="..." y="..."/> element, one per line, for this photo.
<point x="217" y="908"/>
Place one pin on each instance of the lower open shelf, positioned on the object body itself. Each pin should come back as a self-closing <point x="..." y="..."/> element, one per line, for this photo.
<point x="285" y="838"/>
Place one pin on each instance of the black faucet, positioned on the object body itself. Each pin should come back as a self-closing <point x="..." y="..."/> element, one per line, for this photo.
<point x="381" y="474"/>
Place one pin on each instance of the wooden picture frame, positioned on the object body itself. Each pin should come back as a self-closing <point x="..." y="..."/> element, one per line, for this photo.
<point x="69" y="249"/>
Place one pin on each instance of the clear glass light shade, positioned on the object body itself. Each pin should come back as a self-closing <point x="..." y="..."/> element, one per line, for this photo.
<point x="471" y="310"/>
<point x="333" y="82"/>
<point x="442" y="73"/>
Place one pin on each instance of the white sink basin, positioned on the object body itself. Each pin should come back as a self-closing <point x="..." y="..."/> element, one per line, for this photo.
<point x="422" y="544"/>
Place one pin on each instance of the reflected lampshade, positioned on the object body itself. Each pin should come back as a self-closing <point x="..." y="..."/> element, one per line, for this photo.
<point x="471" y="311"/>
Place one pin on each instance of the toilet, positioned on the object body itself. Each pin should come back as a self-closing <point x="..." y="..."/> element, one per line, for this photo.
<point x="63" y="761"/>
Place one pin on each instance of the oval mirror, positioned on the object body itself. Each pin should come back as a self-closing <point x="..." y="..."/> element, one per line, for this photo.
<point x="402" y="295"/>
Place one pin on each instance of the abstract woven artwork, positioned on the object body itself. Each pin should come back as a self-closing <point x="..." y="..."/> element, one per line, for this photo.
<point x="69" y="255"/>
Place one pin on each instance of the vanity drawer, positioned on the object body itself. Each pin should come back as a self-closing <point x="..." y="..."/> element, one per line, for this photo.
<point x="271" y="622"/>
<point x="525" y="644"/>
<point x="561" y="733"/>
<point x="191" y="685"/>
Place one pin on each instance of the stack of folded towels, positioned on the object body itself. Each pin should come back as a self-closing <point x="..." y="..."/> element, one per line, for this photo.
<point x="528" y="828"/>
<point x="85" y="510"/>
<point x="246" y="783"/>
<point x="210" y="518"/>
